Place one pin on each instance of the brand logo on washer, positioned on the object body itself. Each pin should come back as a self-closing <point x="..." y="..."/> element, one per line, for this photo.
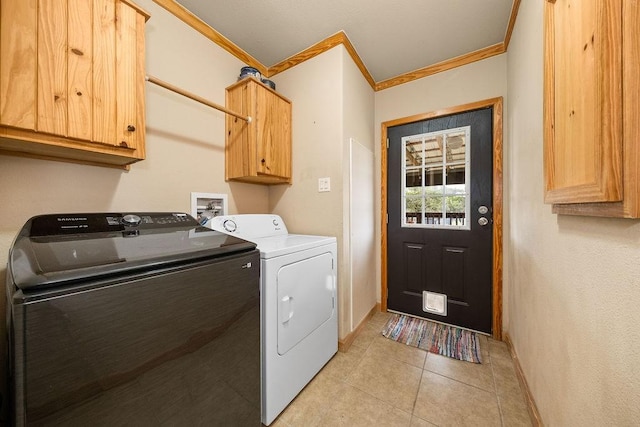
<point x="66" y="219"/>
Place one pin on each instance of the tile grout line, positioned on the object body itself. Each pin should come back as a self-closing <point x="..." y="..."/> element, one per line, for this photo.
<point x="411" y="415"/>
<point x="464" y="383"/>
<point x="371" y="348"/>
<point x="493" y="378"/>
<point x="326" y="411"/>
<point x="424" y="368"/>
<point x="495" y="385"/>
<point x="415" y="399"/>
<point x="418" y="392"/>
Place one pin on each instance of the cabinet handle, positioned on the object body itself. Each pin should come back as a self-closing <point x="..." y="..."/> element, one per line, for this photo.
<point x="131" y="128"/>
<point x="263" y="161"/>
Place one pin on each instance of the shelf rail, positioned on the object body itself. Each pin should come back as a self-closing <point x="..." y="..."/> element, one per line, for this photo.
<point x="172" y="88"/>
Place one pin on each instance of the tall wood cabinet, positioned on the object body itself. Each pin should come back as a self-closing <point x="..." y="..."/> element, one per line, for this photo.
<point x="72" y="80"/>
<point x="591" y="107"/>
<point x="260" y="151"/>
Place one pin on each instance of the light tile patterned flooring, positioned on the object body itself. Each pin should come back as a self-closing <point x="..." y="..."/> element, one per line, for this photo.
<point x="379" y="382"/>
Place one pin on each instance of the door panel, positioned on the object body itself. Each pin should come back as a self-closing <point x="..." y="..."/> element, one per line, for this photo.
<point x="305" y="299"/>
<point x="435" y="241"/>
<point x="413" y="255"/>
<point x="453" y="268"/>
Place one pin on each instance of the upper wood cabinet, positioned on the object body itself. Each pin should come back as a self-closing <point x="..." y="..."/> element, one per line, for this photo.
<point x="260" y="151"/>
<point x="591" y="107"/>
<point x="72" y="80"/>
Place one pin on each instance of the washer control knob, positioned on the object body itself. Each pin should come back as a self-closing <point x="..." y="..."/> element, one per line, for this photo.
<point x="229" y="225"/>
<point x="131" y="219"/>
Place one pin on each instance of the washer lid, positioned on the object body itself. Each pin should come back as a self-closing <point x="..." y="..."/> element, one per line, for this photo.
<point x="63" y="248"/>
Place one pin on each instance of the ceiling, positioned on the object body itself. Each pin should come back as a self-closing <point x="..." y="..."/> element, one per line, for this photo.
<point x="391" y="37"/>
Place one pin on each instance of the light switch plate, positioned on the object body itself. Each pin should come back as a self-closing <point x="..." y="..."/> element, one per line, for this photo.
<point x="324" y="184"/>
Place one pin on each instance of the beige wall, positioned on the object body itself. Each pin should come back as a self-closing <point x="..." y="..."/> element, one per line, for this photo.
<point x="315" y="89"/>
<point x="574" y="282"/>
<point x="359" y="189"/>
<point x="185" y="147"/>
<point x="474" y="82"/>
<point x="331" y="103"/>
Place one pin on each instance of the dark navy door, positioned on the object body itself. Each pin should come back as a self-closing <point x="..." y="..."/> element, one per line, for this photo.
<point x="440" y="227"/>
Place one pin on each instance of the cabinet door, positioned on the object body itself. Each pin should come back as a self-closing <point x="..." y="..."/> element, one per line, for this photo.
<point x="128" y="129"/>
<point x="64" y="68"/>
<point x="76" y="63"/>
<point x="79" y="66"/>
<point x="118" y="101"/>
<point x="52" y="67"/>
<point x="72" y="79"/>
<point x="273" y="134"/>
<point x="583" y="101"/>
<point x="18" y="47"/>
<point x="240" y="153"/>
<point x="104" y="72"/>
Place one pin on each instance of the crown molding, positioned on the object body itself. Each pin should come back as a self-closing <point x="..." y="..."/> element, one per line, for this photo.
<point x="458" y="61"/>
<point x="332" y="41"/>
<point x="203" y="28"/>
<point x="339" y="38"/>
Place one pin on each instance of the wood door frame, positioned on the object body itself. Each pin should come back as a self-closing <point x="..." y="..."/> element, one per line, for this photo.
<point x="496" y="103"/>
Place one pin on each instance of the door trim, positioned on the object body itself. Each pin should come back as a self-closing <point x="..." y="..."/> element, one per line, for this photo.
<point x="496" y="103"/>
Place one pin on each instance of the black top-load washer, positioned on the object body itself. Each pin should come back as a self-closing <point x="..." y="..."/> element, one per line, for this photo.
<point x="132" y="319"/>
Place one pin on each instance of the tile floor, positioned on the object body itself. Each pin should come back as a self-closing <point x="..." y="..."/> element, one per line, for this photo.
<point x="379" y="382"/>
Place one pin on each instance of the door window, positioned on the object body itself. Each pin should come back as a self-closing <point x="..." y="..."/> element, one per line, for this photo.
<point x="436" y="187"/>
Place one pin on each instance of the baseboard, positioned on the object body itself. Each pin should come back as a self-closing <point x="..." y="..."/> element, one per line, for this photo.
<point x="531" y="403"/>
<point x="345" y="343"/>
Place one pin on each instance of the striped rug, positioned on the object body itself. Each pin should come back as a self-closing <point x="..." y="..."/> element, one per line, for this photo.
<point x="434" y="337"/>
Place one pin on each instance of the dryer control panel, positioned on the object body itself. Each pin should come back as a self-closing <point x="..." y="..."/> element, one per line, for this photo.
<point x="250" y="226"/>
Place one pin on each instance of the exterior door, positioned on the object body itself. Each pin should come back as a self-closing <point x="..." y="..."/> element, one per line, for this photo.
<point x="440" y="225"/>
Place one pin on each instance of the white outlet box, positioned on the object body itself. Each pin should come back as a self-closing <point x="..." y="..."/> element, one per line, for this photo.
<point x="324" y="184"/>
<point x="208" y="204"/>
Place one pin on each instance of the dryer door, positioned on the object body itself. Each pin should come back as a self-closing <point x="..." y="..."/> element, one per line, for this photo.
<point x="306" y="298"/>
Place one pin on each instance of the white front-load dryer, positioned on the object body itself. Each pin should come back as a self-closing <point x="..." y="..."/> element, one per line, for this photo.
<point x="299" y="329"/>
